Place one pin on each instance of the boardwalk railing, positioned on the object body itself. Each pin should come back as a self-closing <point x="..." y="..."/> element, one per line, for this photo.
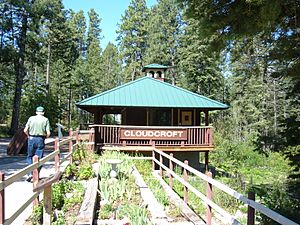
<point x="123" y="135"/>
<point x="37" y="188"/>
<point x="159" y="157"/>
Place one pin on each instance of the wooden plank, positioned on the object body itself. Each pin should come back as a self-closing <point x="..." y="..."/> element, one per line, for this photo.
<point x="42" y="184"/>
<point x="88" y="207"/>
<point x="162" y="148"/>
<point x="18" y="143"/>
<point x="156" y="210"/>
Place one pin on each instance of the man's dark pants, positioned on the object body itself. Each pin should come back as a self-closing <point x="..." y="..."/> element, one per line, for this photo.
<point x="36" y="146"/>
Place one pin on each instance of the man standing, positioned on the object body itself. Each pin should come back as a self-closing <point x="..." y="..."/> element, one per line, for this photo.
<point x="37" y="128"/>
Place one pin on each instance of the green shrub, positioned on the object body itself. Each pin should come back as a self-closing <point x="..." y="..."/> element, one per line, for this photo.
<point x="85" y="171"/>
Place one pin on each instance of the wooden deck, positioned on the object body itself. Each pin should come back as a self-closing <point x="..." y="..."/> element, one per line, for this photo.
<point x="146" y="138"/>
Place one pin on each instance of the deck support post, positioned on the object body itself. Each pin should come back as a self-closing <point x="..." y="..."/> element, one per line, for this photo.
<point x="206" y="161"/>
<point x="209" y="196"/>
<point x="251" y="211"/>
<point x="2" y="201"/>
<point x="206" y="118"/>
<point x="185" y="178"/>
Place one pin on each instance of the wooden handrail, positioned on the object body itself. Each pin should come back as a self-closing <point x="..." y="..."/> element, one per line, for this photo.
<point x="257" y="206"/>
<point x="17" y="176"/>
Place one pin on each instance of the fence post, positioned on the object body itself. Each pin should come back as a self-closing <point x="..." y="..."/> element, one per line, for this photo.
<point x="56" y="157"/>
<point x="2" y="200"/>
<point x="47" y="206"/>
<point x="91" y="137"/>
<point x="35" y="178"/>
<point x="185" y="178"/>
<point x="160" y="167"/>
<point x="71" y="145"/>
<point x="209" y="196"/>
<point x="77" y="136"/>
<point x="251" y="211"/>
<point x="171" y="168"/>
<point x="153" y="162"/>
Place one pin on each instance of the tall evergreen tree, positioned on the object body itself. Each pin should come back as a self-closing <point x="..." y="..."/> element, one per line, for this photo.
<point x="164" y="30"/>
<point x="111" y="67"/>
<point x="199" y="65"/>
<point x="132" y="37"/>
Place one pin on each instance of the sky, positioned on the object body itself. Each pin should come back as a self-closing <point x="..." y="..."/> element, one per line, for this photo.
<point x="110" y="11"/>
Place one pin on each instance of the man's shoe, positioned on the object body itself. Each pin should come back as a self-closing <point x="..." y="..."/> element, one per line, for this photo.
<point x="28" y="178"/>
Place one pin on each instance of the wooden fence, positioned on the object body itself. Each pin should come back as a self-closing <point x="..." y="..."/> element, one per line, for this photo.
<point x="210" y="183"/>
<point x="38" y="186"/>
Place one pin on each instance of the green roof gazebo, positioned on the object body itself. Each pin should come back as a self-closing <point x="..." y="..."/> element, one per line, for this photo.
<point x="151" y="110"/>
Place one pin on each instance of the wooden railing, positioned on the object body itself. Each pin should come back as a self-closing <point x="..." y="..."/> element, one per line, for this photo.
<point x="111" y="135"/>
<point x="158" y="157"/>
<point x="37" y="188"/>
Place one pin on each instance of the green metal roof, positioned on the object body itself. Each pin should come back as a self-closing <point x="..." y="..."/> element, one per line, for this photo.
<point x="155" y="66"/>
<point x="149" y="92"/>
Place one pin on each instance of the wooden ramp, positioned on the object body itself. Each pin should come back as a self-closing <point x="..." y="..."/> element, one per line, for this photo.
<point x="18" y="144"/>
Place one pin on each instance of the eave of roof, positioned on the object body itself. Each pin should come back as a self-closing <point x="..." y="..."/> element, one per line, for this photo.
<point x="150" y="93"/>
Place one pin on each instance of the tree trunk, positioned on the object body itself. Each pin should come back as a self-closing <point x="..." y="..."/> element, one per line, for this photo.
<point x="20" y="74"/>
<point x="48" y="67"/>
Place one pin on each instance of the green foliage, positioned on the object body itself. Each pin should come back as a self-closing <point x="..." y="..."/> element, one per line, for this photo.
<point x="36" y="217"/>
<point x="58" y="195"/>
<point x="132" y="36"/>
<point x="120" y="199"/>
<point x="279" y="197"/>
<point x="136" y="214"/>
<point x="164" y="28"/>
<point x="144" y="167"/>
<point x="85" y="171"/>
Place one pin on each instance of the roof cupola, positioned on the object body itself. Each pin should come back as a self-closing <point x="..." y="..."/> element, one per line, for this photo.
<point x="156" y="71"/>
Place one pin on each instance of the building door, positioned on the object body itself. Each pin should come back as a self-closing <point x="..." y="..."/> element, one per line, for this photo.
<point x="186" y="118"/>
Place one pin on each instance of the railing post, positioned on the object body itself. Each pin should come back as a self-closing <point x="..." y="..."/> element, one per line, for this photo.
<point x="185" y="178"/>
<point x="251" y="211"/>
<point x="47" y="206"/>
<point x="91" y="137"/>
<point x="56" y="157"/>
<point x="171" y="168"/>
<point x="2" y="200"/>
<point x="71" y="145"/>
<point x="77" y="136"/>
<point x="160" y="167"/>
<point x="209" y="196"/>
<point x="35" y="178"/>
<point x="153" y="162"/>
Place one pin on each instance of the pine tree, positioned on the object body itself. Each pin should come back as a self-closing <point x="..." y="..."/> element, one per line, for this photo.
<point x="164" y="30"/>
<point x="199" y="64"/>
<point x="132" y="37"/>
<point x="111" y="67"/>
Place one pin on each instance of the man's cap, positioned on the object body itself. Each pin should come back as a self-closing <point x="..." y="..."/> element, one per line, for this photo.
<point x="40" y="109"/>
